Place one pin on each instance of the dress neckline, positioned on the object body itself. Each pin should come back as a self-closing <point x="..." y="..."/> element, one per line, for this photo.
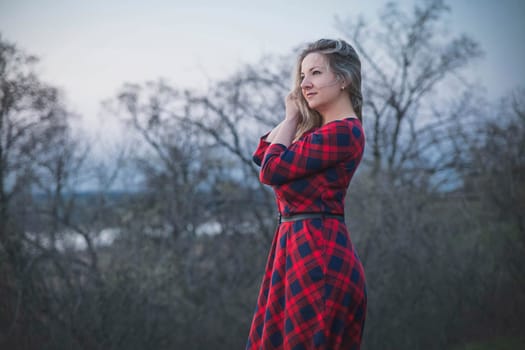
<point x="336" y="120"/>
<point x="320" y="127"/>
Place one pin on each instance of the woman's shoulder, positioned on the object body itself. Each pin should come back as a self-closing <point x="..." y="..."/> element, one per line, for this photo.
<point x="344" y="120"/>
<point x="344" y="128"/>
<point x="343" y="123"/>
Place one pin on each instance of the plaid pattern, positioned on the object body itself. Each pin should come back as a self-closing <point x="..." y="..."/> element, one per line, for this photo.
<point x="313" y="293"/>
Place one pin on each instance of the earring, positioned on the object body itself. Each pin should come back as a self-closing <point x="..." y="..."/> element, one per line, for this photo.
<point x="342" y="88"/>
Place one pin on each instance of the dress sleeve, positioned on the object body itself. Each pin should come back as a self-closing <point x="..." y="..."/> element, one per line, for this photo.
<point x="258" y="155"/>
<point x="334" y="142"/>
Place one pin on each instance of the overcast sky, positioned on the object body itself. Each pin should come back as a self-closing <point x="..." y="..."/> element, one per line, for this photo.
<point x="90" y="48"/>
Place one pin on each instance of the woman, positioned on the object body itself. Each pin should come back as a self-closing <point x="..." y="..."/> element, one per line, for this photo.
<point x="313" y="294"/>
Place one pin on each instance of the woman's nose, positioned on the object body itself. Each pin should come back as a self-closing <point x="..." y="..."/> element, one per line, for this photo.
<point x="305" y="83"/>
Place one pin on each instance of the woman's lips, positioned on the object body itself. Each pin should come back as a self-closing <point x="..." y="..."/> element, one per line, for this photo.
<point x="310" y="94"/>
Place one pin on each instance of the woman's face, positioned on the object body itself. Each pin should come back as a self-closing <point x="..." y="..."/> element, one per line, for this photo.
<point x="319" y="85"/>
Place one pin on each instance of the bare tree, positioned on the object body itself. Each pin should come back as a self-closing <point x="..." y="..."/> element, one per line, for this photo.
<point x="175" y="161"/>
<point x="494" y="175"/>
<point x="31" y="118"/>
<point x="234" y="113"/>
<point x="38" y="162"/>
<point x="407" y="61"/>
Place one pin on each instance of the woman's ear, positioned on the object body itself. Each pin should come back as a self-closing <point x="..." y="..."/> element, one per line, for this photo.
<point x="343" y="83"/>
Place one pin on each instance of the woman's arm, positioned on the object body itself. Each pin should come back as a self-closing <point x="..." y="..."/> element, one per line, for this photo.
<point x="285" y="131"/>
<point x="283" y="134"/>
<point x="274" y="132"/>
<point x="336" y="142"/>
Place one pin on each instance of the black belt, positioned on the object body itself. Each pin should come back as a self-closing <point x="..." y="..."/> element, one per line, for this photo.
<point x="302" y="216"/>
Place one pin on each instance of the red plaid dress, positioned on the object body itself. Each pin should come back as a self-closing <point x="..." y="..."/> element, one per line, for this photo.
<point x="313" y="293"/>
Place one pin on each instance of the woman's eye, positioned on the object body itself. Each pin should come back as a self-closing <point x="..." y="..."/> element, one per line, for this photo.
<point x="316" y="72"/>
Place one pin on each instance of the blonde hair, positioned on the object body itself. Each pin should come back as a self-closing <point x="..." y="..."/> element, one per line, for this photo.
<point x="344" y="63"/>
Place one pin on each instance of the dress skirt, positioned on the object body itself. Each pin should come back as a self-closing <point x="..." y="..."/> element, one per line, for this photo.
<point x="313" y="293"/>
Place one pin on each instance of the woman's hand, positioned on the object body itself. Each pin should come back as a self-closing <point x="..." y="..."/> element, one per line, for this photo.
<point x="292" y="106"/>
<point x="285" y="131"/>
